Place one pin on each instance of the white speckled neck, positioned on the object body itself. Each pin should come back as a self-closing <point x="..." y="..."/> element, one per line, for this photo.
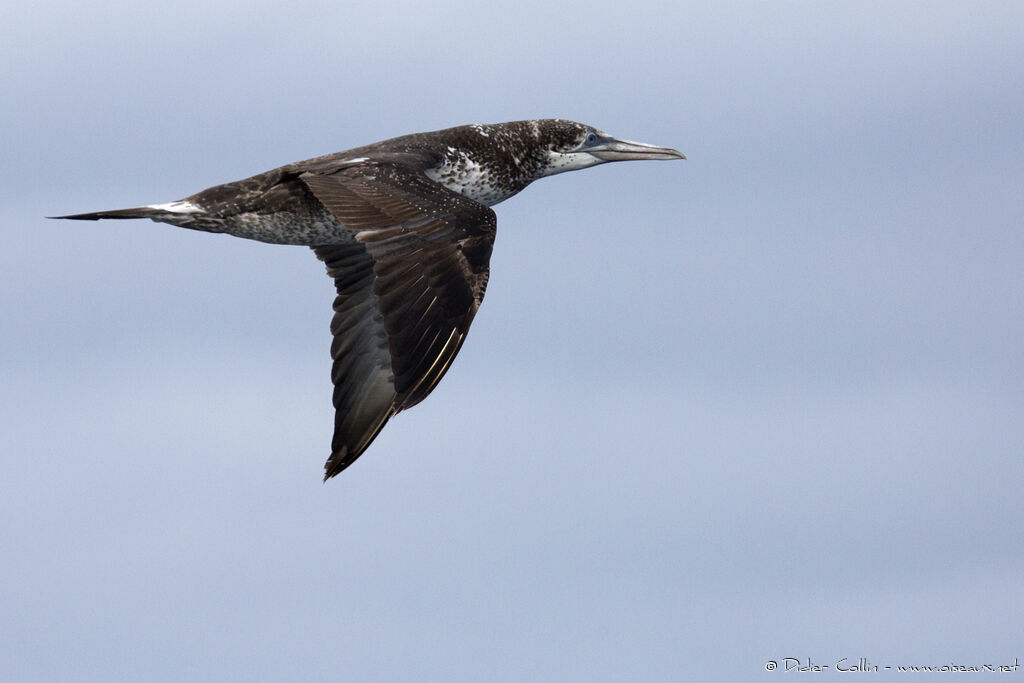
<point x="473" y="180"/>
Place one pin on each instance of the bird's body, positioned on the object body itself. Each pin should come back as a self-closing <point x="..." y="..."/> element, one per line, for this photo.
<point x="406" y="230"/>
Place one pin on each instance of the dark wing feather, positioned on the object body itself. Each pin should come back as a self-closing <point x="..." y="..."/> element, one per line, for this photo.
<point x="363" y="391"/>
<point x="408" y="288"/>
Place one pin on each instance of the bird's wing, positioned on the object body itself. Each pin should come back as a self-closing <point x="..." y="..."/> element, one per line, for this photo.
<point x="408" y="287"/>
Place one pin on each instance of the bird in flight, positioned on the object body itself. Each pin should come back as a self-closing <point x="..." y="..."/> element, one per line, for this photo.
<point x="405" y="228"/>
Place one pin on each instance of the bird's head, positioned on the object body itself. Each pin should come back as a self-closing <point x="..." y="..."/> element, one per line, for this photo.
<point x="573" y="146"/>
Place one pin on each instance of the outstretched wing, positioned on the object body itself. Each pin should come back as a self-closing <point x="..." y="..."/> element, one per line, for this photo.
<point x="408" y="287"/>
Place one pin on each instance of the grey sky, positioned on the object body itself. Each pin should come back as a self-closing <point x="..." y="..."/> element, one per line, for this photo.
<point x="763" y="403"/>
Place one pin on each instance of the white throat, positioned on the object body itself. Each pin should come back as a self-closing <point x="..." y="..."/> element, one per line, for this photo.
<point x="561" y="162"/>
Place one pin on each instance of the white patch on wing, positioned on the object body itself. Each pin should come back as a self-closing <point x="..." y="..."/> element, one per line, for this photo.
<point x="357" y="160"/>
<point x="180" y="206"/>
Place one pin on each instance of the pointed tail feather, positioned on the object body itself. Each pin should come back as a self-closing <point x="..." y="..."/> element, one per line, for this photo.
<point x="158" y="212"/>
<point x="137" y="212"/>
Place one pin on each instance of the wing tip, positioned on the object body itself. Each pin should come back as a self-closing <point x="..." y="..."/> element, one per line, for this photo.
<point x="337" y="463"/>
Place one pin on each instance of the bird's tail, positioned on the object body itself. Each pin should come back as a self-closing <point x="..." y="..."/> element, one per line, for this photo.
<point x="136" y="212"/>
<point x="180" y="212"/>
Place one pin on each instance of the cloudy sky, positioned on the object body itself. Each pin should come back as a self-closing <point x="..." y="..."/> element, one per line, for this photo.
<point x="762" y="404"/>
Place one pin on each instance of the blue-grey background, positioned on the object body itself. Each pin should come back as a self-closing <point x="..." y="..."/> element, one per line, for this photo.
<point x="764" y="403"/>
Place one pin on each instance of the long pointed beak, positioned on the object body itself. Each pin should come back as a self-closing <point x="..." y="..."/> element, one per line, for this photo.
<point x="613" y="149"/>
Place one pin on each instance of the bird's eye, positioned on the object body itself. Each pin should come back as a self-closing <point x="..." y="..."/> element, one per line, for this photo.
<point x="591" y="138"/>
